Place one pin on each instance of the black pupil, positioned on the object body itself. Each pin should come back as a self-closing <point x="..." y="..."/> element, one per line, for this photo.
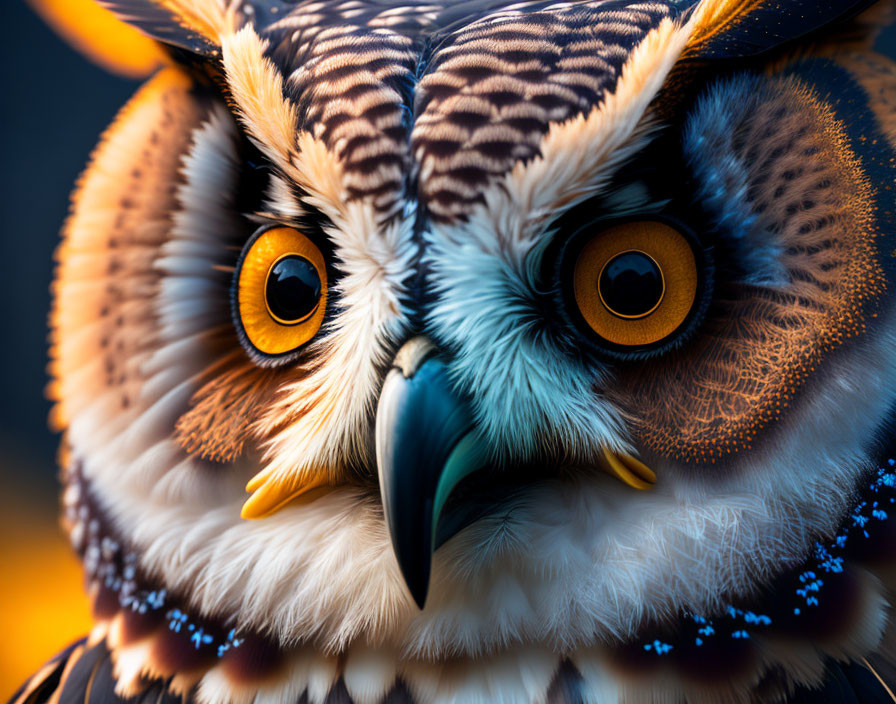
<point x="293" y="288"/>
<point x="631" y="284"/>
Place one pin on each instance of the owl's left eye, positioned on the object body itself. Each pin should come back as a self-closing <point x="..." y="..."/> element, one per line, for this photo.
<point x="281" y="291"/>
<point x="636" y="287"/>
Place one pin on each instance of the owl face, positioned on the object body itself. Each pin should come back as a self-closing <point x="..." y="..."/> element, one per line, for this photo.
<point x="520" y="324"/>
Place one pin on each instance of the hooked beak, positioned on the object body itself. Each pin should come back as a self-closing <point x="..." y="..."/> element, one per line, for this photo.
<point x="425" y="445"/>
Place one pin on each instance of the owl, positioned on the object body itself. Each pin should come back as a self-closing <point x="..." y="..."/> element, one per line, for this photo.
<point x="482" y="351"/>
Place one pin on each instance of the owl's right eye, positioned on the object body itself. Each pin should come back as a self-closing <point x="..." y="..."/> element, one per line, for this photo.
<point x="281" y="291"/>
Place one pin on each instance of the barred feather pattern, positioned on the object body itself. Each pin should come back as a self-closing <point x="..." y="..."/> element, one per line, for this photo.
<point x="491" y="91"/>
<point x="480" y="82"/>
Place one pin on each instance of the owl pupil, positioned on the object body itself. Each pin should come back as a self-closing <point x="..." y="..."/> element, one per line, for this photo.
<point x="631" y="285"/>
<point x="292" y="289"/>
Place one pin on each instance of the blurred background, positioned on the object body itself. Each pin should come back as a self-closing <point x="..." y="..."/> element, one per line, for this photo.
<point x="55" y="105"/>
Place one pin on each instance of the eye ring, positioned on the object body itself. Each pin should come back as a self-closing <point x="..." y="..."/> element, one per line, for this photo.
<point x="277" y="313"/>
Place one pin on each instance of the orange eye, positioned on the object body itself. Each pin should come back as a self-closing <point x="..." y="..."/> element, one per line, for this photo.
<point x="281" y="291"/>
<point x="636" y="283"/>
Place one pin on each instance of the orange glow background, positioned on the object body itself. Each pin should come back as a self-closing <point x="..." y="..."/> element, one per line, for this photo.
<point x="43" y="607"/>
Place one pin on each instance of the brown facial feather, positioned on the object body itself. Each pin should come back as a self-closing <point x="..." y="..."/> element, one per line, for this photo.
<point x="104" y="321"/>
<point x="223" y="412"/>
<point x="762" y="342"/>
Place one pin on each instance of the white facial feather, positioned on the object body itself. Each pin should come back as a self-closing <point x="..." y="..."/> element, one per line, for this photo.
<point x="527" y="393"/>
<point x="340" y="393"/>
<point x="573" y="564"/>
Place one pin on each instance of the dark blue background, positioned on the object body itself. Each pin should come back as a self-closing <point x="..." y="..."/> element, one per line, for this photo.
<point x="55" y="105"/>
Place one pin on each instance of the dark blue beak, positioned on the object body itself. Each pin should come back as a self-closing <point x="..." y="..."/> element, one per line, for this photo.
<point x="425" y="444"/>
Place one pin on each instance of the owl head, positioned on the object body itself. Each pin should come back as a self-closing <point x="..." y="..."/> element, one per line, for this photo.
<point x="476" y="347"/>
